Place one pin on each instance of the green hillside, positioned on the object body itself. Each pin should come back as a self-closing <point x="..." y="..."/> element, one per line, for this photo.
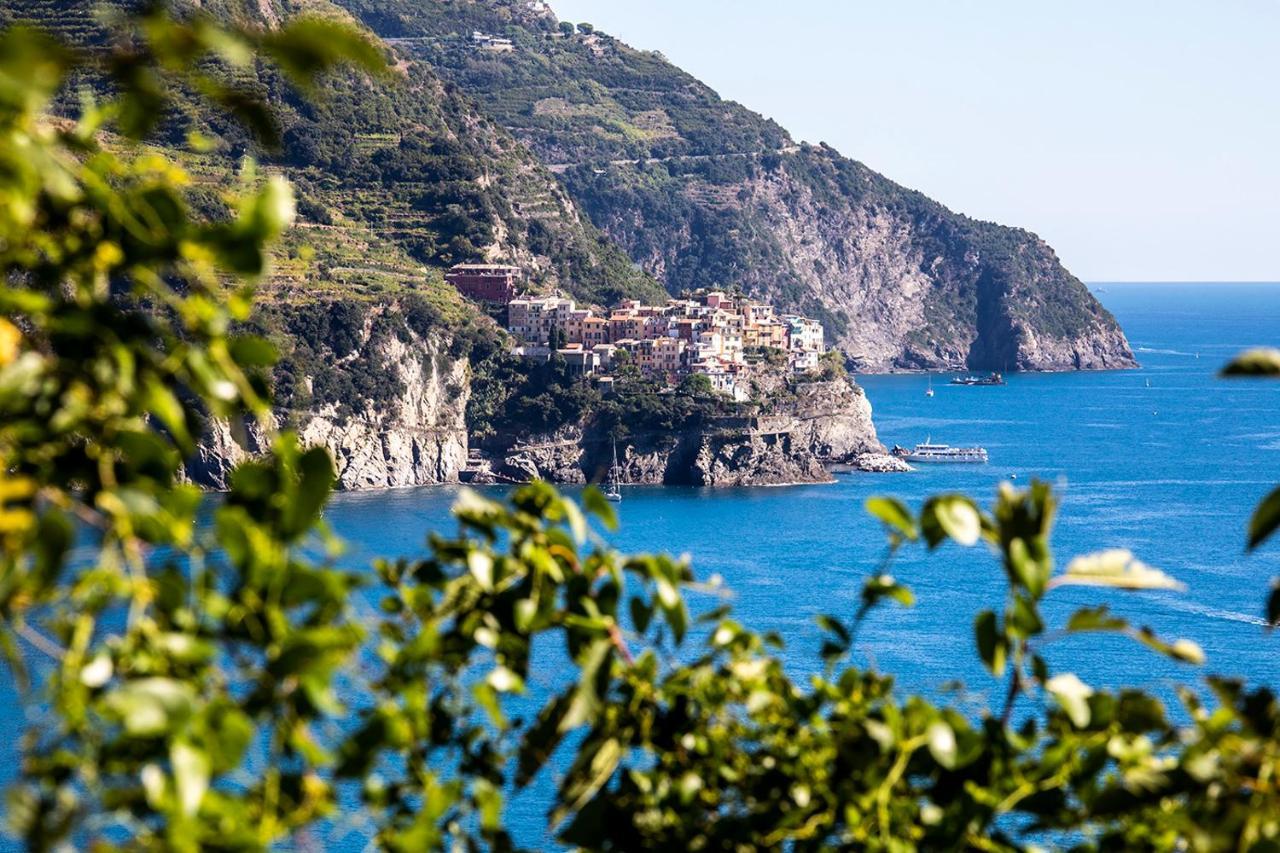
<point x="396" y="178"/>
<point x="407" y="165"/>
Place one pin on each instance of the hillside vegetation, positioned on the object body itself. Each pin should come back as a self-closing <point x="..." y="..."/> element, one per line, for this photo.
<point x="397" y="176"/>
<point x="703" y="192"/>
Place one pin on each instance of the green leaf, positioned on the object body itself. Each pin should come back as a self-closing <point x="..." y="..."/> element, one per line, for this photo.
<point x="489" y="800"/>
<point x="525" y="611"/>
<point x="576" y="520"/>
<point x="835" y="626"/>
<point x="32" y="68"/>
<point x="97" y="672"/>
<point x="504" y="680"/>
<point x="880" y="587"/>
<point x="151" y="706"/>
<point x="253" y="351"/>
<point x="1072" y="696"/>
<point x="1265" y="520"/>
<point x="596" y="504"/>
<point x="54" y="536"/>
<point x="641" y="613"/>
<point x="1263" y="361"/>
<point x="1030" y="570"/>
<point x="1095" y="619"/>
<point x="942" y="744"/>
<point x="586" y="701"/>
<point x="953" y="516"/>
<point x="309" y="46"/>
<point x="480" y="565"/>
<point x="541" y="740"/>
<point x="1024" y="617"/>
<point x="894" y="514"/>
<point x="315" y="484"/>
<point x="588" y="775"/>
<point x="190" y="774"/>
<point x="991" y="645"/>
<point x="164" y="405"/>
<point x="1186" y="651"/>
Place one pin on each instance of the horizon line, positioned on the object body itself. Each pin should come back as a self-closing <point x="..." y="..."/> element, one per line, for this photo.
<point x="1124" y="281"/>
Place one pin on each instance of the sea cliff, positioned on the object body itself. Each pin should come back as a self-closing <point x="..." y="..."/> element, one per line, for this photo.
<point x="824" y="423"/>
<point x="417" y="436"/>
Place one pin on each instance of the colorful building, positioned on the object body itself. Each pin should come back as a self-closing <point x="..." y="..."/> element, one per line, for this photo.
<point x="706" y="335"/>
<point x="495" y="283"/>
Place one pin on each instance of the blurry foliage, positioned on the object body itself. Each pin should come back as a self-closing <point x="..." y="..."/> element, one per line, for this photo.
<point x="216" y="685"/>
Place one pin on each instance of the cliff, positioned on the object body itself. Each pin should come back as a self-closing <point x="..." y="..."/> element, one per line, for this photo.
<point x="415" y="434"/>
<point x="418" y="434"/>
<point x="825" y="422"/>
<point x="601" y="170"/>
<point x="899" y="281"/>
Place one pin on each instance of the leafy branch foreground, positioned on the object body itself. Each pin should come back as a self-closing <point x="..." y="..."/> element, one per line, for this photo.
<point x="212" y="686"/>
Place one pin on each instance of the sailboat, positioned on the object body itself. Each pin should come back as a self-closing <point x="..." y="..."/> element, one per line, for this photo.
<point x="929" y="393"/>
<point x="611" y="490"/>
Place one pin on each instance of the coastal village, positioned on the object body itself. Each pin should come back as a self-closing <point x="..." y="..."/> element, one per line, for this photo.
<point x="711" y="333"/>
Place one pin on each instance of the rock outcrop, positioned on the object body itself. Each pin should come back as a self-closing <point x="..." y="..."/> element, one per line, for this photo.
<point x="822" y="424"/>
<point x="879" y="463"/>
<point x="418" y="438"/>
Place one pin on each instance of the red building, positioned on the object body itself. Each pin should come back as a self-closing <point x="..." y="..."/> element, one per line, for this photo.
<point x="485" y="282"/>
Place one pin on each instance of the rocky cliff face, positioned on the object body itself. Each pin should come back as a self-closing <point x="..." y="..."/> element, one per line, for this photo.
<point x="899" y="281"/>
<point x="418" y="437"/>
<point x="825" y="423"/>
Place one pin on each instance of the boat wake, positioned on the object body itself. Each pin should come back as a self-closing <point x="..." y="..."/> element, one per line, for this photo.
<point x="1217" y="613"/>
<point x="1157" y="351"/>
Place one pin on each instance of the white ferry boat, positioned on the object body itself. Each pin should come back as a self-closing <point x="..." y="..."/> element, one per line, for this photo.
<point x="928" y="452"/>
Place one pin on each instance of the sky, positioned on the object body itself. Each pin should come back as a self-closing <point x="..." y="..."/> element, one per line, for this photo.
<point x="1140" y="138"/>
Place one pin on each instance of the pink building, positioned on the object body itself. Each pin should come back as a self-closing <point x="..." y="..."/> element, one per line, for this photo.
<point x="485" y="282"/>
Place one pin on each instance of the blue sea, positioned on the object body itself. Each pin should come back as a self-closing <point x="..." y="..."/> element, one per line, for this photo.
<point x="1167" y="461"/>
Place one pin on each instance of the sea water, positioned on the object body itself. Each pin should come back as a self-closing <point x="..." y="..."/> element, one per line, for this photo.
<point x="1168" y="461"/>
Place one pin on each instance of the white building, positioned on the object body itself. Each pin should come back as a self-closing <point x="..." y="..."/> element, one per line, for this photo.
<point x="532" y="320"/>
<point x="805" y="342"/>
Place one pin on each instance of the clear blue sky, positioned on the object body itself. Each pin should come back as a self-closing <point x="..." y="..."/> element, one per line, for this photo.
<point x="1141" y="138"/>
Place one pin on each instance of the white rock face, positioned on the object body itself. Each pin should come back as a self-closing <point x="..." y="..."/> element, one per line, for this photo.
<point x="420" y="439"/>
<point x="906" y="283"/>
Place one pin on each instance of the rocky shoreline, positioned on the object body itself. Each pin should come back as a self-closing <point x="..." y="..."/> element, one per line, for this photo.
<point x="828" y="424"/>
